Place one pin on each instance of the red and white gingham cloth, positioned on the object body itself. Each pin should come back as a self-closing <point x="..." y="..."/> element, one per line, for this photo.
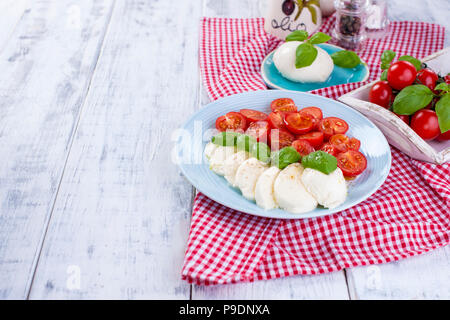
<point x="407" y="216"/>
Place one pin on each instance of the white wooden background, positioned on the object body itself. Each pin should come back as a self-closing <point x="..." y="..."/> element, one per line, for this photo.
<point x="89" y="207"/>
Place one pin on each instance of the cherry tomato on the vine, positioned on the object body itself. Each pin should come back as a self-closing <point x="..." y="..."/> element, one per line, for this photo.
<point x="444" y="136"/>
<point x="404" y="117"/>
<point x="401" y="74"/>
<point x="428" y="78"/>
<point x="381" y="94"/>
<point x="447" y="79"/>
<point x="425" y="123"/>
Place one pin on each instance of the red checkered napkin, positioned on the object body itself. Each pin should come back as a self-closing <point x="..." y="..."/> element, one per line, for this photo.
<point x="407" y="216"/>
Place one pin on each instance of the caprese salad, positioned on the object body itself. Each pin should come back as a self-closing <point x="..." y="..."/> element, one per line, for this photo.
<point x="289" y="158"/>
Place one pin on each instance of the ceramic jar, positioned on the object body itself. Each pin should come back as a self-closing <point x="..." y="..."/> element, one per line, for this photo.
<point x="284" y="16"/>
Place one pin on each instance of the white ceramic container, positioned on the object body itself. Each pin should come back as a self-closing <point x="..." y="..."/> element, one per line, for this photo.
<point x="398" y="133"/>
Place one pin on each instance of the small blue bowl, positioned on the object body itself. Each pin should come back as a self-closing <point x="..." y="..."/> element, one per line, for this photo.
<point x="273" y="78"/>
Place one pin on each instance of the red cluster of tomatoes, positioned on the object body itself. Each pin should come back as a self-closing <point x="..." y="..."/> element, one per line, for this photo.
<point x="306" y="130"/>
<point x="400" y="75"/>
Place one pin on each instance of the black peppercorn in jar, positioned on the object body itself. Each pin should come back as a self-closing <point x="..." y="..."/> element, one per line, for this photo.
<point x="349" y="31"/>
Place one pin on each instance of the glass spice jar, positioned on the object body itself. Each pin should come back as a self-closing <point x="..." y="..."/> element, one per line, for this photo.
<point x="350" y="28"/>
<point x="377" y="25"/>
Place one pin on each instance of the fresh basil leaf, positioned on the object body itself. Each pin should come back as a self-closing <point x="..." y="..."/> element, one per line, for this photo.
<point x="386" y="58"/>
<point x="412" y="98"/>
<point x="297" y="35"/>
<point x="245" y="142"/>
<point x="319" y="37"/>
<point x="385" y="66"/>
<point x="305" y="55"/>
<point x="443" y="86"/>
<point x="384" y="75"/>
<point x="443" y="112"/>
<point x="284" y="157"/>
<point x="321" y="161"/>
<point x="225" y="138"/>
<point x="413" y="60"/>
<point x="261" y="151"/>
<point x="345" y="59"/>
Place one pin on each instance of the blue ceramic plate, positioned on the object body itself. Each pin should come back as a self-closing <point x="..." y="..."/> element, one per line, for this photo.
<point x="273" y="78"/>
<point x="197" y="130"/>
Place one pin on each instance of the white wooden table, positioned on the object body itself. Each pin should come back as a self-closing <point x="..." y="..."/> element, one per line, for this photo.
<point x="90" y="206"/>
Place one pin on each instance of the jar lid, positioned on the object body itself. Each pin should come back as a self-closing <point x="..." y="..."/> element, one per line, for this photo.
<point x="351" y="5"/>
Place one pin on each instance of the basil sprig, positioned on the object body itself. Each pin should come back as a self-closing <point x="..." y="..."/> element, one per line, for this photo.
<point x="345" y="59"/>
<point x="412" y="99"/>
<point x="386" y="58"/>
<point x="443" y="112"/>
<point x="306" y="53"/>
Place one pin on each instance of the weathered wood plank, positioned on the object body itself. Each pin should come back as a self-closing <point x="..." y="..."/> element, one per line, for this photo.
<point x="46" y="67"/>
<point x="317" y="287"/>
<point x="422" y="277"/>
<point x="10" y="13"/>
<point x="122" y="215"/>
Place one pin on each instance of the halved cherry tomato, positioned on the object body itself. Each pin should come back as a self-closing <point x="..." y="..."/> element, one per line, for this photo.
<point x="344" y="143"/>
<point x="303" y="147"/>
<point x="351" y="163"/>
<point x="315" y="138"/>
<point x="299" y="123"/>
<point x="233" y="121"/>
<point x="258" y="130"/>
<point x="253" y="115"/>
<point x="332" y="125"/>
<point x="313" y="111"/>
<point x="280" y="138"/>
<point x="329" y="148"/>
<point x="276" y="120"/>
<point x="283" y="105"/>
<point x="354" y="144"/>
<point x="340" y="141"/>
